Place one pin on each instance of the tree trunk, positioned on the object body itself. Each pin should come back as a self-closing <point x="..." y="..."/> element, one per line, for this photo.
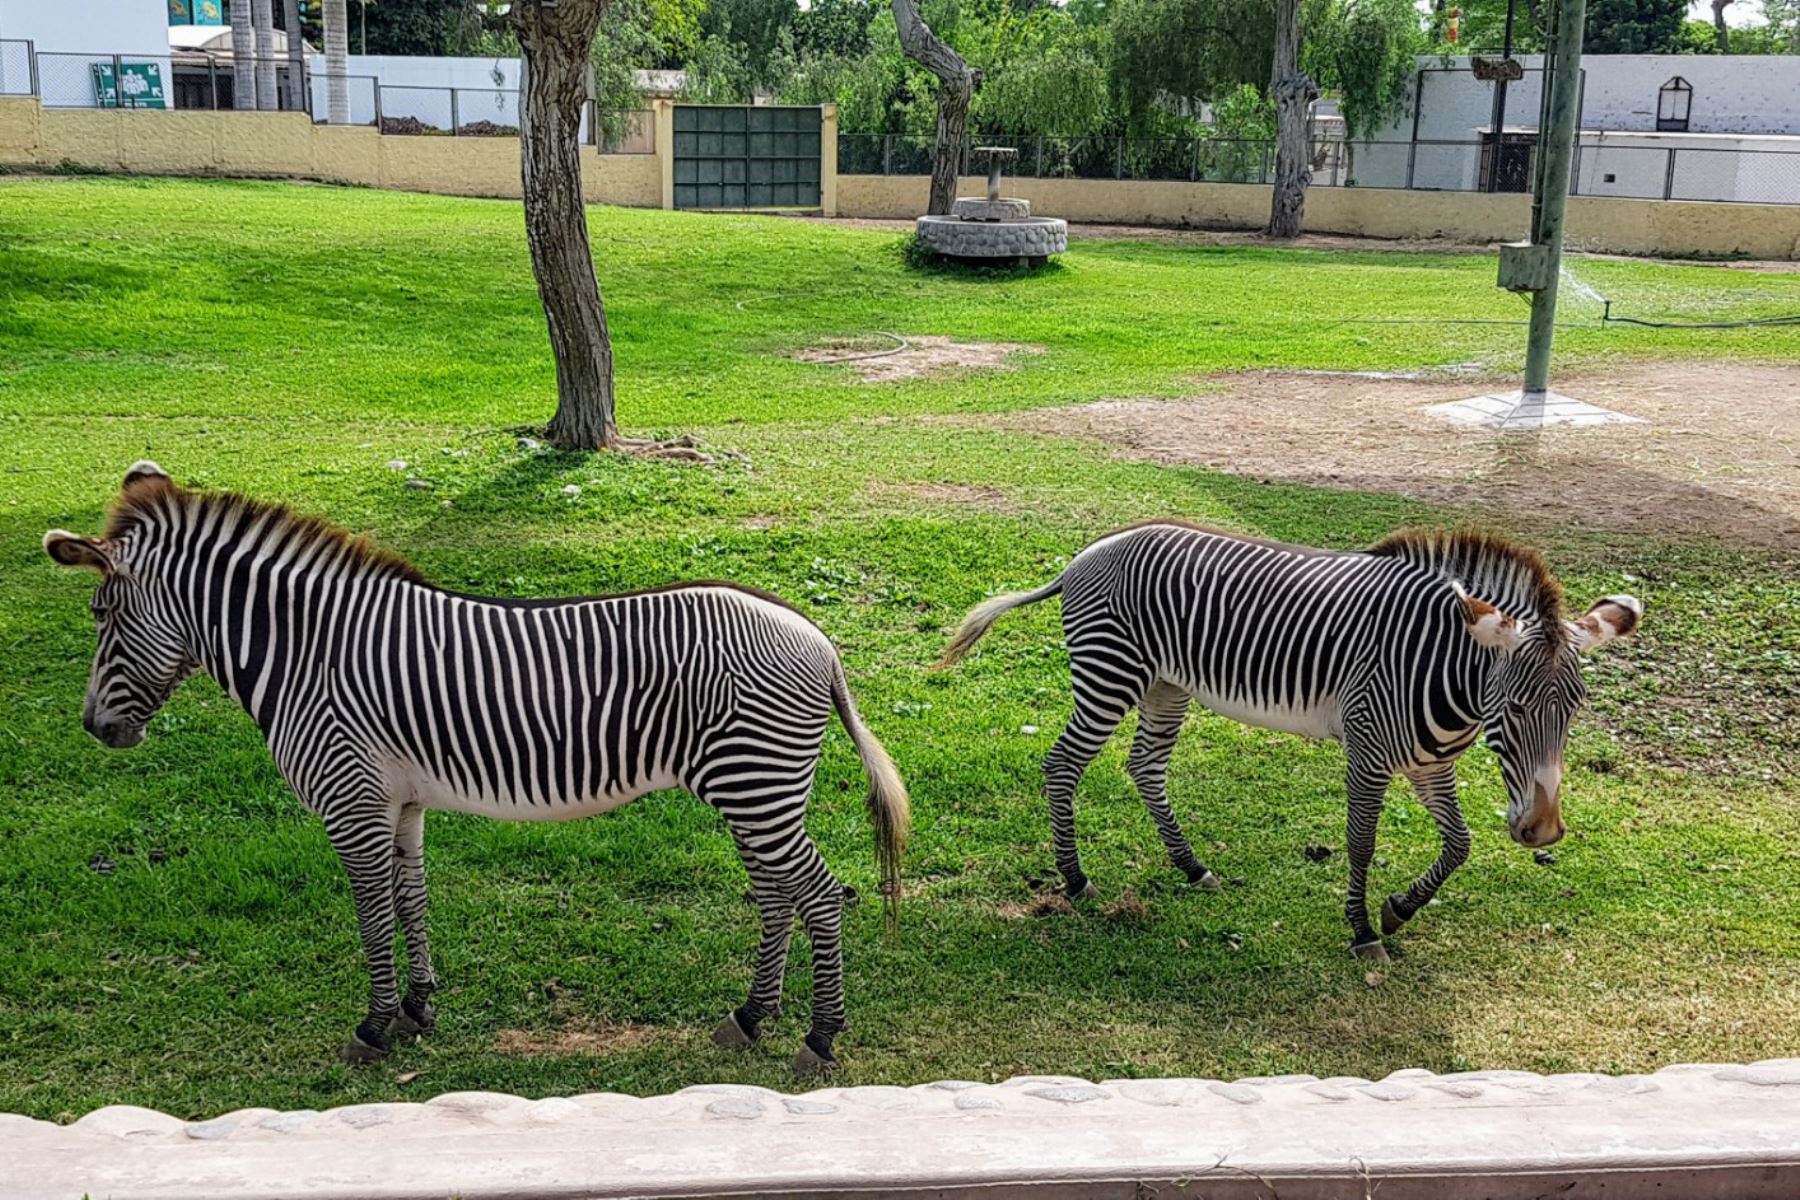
<point x="956" y="87"/>
<point x="1294" y="92"/>
<point x="337" y="63"/>
<point x="1720" y="30"/>
<point x="262" y="16"/>
<point x="243" y="56"/>
<point x="296" y="48"/>
<point x="554" y="43"/>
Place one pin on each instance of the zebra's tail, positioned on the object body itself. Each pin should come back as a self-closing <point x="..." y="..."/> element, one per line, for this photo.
<point x="890" y="812"/>
<point x="981" y="618"/>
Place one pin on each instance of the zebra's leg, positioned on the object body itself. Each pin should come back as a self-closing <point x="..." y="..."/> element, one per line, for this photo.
<point x="820" y="898"/>
<point x="1106" y="687"/>
<point x="741" y="1026"/>
<point x="1160" y="715"/>
<point x="363" y="836"/>
<point x="1436" y="786"/>
<point x="416" y="1014"/>
<point x="1367" y="788"/>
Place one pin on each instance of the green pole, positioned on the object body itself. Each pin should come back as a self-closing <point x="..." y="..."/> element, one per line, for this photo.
<point x="1556" y="144"/>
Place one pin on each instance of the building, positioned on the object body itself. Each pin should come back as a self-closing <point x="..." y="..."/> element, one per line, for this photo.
<point x="1684" y="127"/>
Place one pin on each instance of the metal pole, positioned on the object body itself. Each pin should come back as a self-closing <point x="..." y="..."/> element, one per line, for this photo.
<point x="1412" y="150"/>
<point x="212" y="80"/>
<point x="1498" y="120"/>
<point x="454" y="123"/>
<point x="1669" y="176"/>
<point x="32" y="68"/>
<point x="1557" y="145"/>
<point x="118" y="82"/>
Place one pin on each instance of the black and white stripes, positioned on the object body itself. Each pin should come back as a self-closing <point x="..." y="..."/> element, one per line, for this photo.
<point x="1404" y="653"/>
<point x="382" y="696"/>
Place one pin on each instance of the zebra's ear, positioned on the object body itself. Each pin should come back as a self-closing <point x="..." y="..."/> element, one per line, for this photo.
<point x="1488" y="625"/>
<point x="141" y="470"/>
<point x="1610" y="618"/>
<point x="73" y="550"/>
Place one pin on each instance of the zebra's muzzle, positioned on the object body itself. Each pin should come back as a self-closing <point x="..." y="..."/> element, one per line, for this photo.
<point x="113" y="733"/>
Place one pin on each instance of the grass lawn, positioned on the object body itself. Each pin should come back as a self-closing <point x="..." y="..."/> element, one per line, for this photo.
<point x="175" y="931"/>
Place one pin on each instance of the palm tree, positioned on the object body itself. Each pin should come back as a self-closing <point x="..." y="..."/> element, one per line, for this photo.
<point x="262" y="16"/>
<point x="337" y="63"/>
<point x="296" y="48"/>
<point x="243" y="56"/>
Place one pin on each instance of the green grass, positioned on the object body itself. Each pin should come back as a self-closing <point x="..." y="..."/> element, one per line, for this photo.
<point x="177" y="933"/>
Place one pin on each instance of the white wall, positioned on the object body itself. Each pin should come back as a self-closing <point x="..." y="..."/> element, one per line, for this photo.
<point x="486" y="88"/>
<point x="96" y="29"/>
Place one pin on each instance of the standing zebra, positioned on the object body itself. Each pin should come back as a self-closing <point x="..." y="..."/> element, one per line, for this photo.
<point x="1404" y="653"/>
<point x="381" y="696"/>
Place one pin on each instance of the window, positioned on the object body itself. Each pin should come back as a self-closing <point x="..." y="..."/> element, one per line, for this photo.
<point x="1672" y="104"/>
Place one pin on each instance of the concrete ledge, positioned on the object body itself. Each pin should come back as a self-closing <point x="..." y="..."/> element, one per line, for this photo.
<point x="1688" y="1131"/>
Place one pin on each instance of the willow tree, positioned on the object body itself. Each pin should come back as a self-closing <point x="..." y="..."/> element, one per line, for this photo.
<point x="555" y="40"/>
<point x="956" y="87"/>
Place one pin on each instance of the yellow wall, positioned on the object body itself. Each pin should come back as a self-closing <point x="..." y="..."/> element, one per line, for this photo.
<point x="1657" y="227"/>
<point x="289" y="145"/>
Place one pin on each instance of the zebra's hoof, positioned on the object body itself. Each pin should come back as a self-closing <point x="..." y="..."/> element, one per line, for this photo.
<point x="414" y="1020"/>
<point x="1208" y="882"/>
<point x="357" y="1052"/>
<point x="1087" y="891"/>
<point x="1391" y="918"/>
<point x="1373" y="951"/>
<point x="730" y="1035"/>
<point x="811" y="1061"/>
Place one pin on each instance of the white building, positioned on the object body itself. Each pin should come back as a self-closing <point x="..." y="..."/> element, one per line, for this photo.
<point x="1688" y="127"/>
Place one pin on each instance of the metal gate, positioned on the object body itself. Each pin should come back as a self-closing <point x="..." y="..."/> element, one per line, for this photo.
<point x="746" y="156"/>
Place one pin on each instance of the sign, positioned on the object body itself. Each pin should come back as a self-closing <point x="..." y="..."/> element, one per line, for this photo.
<point x="141" y="87"/>
<point x="196" y="12"/>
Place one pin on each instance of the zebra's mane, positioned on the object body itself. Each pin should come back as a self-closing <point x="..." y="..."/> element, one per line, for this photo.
<point x="1490" y="565"/>
<point x="156" y="501"/>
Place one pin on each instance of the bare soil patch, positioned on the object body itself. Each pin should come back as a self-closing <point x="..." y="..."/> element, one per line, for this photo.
<point x="953" y="495"/>
<point x="1718" y="456"/>
<point x="592" y="1039"/>
<point x="886" y="359"/>
<point x="1044" y="904"/>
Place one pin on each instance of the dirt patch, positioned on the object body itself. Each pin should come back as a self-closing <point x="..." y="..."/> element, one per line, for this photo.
<point x="1128" y="908"/>
<point x="589" y="1039"/>
<point x="886" y="358"/>
<point x="956" y="495"/>
<point x="1718" y="455"/>
<point x="1045" y="904"/>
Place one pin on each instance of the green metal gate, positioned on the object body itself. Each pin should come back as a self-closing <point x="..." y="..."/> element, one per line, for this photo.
<point x="746" y="156"/>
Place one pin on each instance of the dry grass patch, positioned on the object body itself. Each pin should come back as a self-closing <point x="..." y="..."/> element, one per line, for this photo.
<point x="1045" y="904"/>
<point x="886" y="358"/>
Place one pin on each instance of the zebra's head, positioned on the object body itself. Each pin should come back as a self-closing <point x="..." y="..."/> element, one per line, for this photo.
<point x="1533" y="690"/>
<point x="143" y="654"/>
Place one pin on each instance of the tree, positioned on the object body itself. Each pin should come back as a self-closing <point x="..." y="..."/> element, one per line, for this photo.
<point x="1697" y="37"/>
<point x="1294" y="91"/>
<point x="296" y="54"/>
<point x="243" y="56"/>
<point x="747" y="32"/>
<point x="833" y="29"/>
<point x="1633" y="26"/>
<point x="1180" y="54"/>
<point x="555" y="38"/>
<point x="1721" y="30"/>
<point x="337" y="63"/>
<point x="262" y="17"/>
<point x="956" y="87"/>
<point x="423" y="27"/>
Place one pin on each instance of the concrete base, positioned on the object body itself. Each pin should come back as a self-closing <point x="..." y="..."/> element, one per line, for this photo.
<point x="1690" y="1132"/>
<point x="1512" y="411"/>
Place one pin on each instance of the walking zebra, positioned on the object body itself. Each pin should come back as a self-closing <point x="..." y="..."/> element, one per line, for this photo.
<point x="381" y="696"/>
<point x="1404" y="653"/>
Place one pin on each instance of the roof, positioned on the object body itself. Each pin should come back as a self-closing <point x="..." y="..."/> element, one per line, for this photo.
<point x="214" y="39"/>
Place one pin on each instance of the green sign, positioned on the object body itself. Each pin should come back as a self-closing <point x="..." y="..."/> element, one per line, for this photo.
<point x="142" y="86"/>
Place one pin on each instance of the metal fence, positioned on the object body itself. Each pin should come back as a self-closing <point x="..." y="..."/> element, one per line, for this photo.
<point x="1601" y="168"/>
<point x="18" y="68"/>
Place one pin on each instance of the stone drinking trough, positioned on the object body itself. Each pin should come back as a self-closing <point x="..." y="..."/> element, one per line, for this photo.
<point x="997" y="230"/>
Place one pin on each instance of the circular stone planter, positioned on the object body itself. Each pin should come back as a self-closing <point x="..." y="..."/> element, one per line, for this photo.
<point x="989" y="242"/>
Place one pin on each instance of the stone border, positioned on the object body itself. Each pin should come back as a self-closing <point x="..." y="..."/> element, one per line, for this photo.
<point x="1686" y="1131"/>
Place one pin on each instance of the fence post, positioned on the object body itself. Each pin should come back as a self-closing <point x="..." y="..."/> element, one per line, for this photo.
<point x="375" y="86"/>
<point x="1575" y="168"/>
<point x="212" y="80"/>
<point x="887" y="154"/>
<point x="118" y="82"/>
<point x="31" y="68"/>
<point x="1119" y="159"/>
<point x="1037" y="172"/>
<point x="1669" y="176"/>
<point x="1194" y="162"/>
<point x="1412" y="150"/>
<point x="454" y="123"/>
<point x="1264" y="176"/>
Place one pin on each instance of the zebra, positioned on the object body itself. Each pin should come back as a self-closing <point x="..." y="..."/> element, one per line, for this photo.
<point x="1404" y="653"/>
<point x="381" y="696"/>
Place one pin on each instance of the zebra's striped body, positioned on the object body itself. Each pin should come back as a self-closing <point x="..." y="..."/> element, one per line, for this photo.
<point x="1396" y="652"/>
<point x="382" y="696"/>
